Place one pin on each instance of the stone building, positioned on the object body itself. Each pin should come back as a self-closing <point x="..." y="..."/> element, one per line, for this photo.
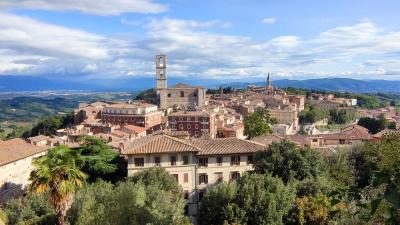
<point x="178" y="95"/>
<point x="196" y="123"/>
<point x="88" y="112"/>
<point x="135" y="113"/>
<point x="16" y="157"/>
<point x="196" y="164"/>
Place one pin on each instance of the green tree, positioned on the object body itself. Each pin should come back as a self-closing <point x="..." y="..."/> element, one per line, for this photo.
<point x="312" y="210"/>
<point x="32" y="209"/>
<point x="141" y="202"/>
<point x="257" y="123"/>
<point x="287" y="161"/>
<point x="59" y="173"/>
<point x="340" y="171"/>
<point x="373" y="125"/>
<point x="253" y="199"/>
<point x="339" y="116"/>
<point x="100" y="161"/>
<point x="213" y="209"/>
<point x="263" y="199"/>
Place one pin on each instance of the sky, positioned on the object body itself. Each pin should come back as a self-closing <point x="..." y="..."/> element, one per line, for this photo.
<point x="208" y="39"/>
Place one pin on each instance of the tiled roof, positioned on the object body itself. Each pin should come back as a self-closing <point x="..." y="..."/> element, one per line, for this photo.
<point x="134" y="129"/>
<point x="268" y="139"/>
<point x="16" y="149"/>
<point x="157" y="143"/>
<point x="39" y="138"/>
<point x="221" y="146"/>
<point x="182" y="85"/>
<point x="384" y="132"/>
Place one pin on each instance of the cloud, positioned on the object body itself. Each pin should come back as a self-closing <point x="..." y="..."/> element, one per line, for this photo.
<point x="96" y="7"/>
<point x="195" y="49"/>
<point x="268" y="21"/>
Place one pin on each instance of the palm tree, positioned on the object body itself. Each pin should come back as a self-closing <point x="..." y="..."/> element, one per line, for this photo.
<point x="59" y="173"/>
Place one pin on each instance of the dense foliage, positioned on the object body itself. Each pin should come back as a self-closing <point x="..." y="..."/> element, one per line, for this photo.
<point x="357" y="186"/>
<point x="254" y="199"/>
<point x="150" y="197"/>
<point x="286" y="161"/>
<point x="257" y="123"/>
<point x="100" y="161"/>
<point x="312" y="114"/>
<point x="149" y="95"/>
<point x="373" y="125"/>
<point x="59" y="174"/>
<point x="128" y="203"/>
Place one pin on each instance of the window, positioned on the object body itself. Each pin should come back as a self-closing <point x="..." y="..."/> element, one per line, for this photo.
<point x="169" y="95"/>
<point x="180" y="118"/>
<point x="176" y="177"/>
<point x="235" y="160"/>
<point x="157" y="161"/>
<point x="219" y="160"/>
<point x="341" y="141"/>
<point x="173" y="126"/>
<point x="186" y="194"/>
<point x="189" y="119"/>
<point x="203" y="162"/>
<point x="249" y="159"/>
<point x="196" y="133"/>
<point x="188" y="126"/>
<point x="181" y="126"/>
<point x="196" y="126"/>
<point x="185" y="159"/>
<point x="185" y="177"/>
<point x="139" y="162"/>
<point x="203" y="178"/>
<point x="182" y="94"/>
<point x="173" y="160"/>
<point x="219" y="177"/>
<point x="234" y="176"/>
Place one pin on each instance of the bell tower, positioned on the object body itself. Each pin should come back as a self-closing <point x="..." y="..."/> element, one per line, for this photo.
<point x="161" y="71"/>
<point x="269" y="81"/>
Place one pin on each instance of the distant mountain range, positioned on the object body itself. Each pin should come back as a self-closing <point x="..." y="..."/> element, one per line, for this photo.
<point x="29" y="83"/>
<point x="333" y="84"/>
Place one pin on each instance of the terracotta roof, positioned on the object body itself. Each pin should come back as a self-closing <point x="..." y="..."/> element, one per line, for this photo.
<point x="178" y="134"/>
<point x="134" y="129"/>
<point x="384" y="132"/>
<point x="355" y="127"/>
<point x="268" y="139"/>
<point x="192" y="113"/>
<point x="39" y="138"/>
<point x="221" y="146"/>
<point x="182" y="85"/>
<point x="157" y="143"/>
<point x="16" y="149"/>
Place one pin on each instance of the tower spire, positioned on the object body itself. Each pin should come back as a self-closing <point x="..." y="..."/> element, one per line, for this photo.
<point x="269" y="81"/>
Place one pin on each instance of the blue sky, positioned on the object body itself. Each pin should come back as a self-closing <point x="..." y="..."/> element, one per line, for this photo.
<point x="227" y="40"/>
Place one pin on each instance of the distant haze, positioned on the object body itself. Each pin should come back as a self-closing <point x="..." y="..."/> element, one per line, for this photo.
<point x="27" y="83"/>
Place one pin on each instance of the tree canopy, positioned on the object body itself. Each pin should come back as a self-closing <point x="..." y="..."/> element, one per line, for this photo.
<point x="257" y="123"/>
<point x="285" y="160"/>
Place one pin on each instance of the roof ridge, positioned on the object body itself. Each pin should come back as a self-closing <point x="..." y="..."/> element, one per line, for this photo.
<point x="181" y="141"/>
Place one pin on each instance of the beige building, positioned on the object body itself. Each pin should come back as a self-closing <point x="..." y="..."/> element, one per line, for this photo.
<point x="196" y="164"/>
<point x="16" y="157"/>
<point x="285" y="116"/>
<point x="179" y="95"/>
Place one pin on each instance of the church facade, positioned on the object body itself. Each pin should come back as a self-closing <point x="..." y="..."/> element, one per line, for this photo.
<point x="179" y="95"/>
